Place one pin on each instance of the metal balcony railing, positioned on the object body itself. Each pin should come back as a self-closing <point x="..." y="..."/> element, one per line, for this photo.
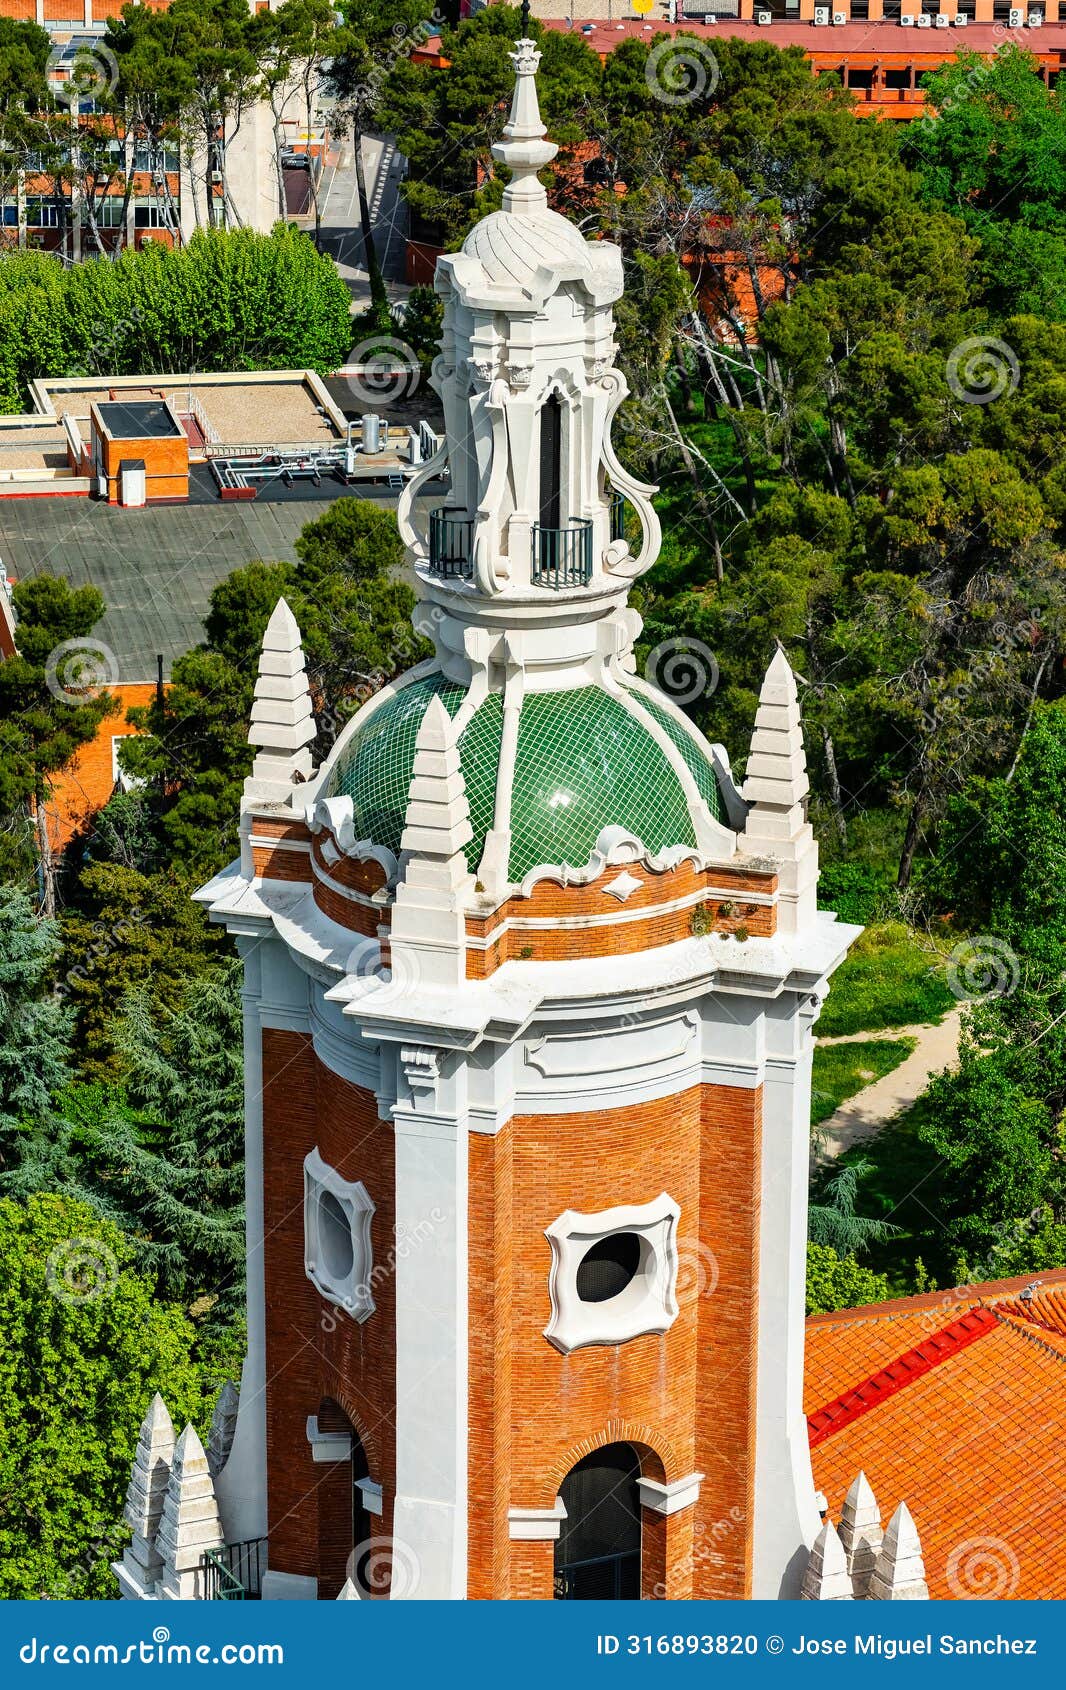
<point x="234" y="1571"/>
<point x="618" y="516"/>
<point x="451" y="544"/>
<point x="562" y="557"/>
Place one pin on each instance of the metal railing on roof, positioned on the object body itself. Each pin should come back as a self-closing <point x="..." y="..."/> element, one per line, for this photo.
<point x="562" y="557"/>
<point x="234" y="1571"/>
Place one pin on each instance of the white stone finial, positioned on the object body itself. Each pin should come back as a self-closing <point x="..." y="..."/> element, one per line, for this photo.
<point x="141" y="1562"/>
<point x="190" y="1523"/>
<point x="283" y="723"/>
<point x="348" y="1592"/>
<point x="437" y="819"/>
<point x="776" y="788"/>
<point x="428" y="934"/>
<point x="860" y="1533"/>
<point x="827" y="1578"/>
<point x="899" y="1571"/>
<point x="524" y="148"/>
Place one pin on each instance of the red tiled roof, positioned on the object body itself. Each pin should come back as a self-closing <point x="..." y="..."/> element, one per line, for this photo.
<point x="871" y="1392"/>
<point x="858" y="37"/>
<point x="954" y="1402"/>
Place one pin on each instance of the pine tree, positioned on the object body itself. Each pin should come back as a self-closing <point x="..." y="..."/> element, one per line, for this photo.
<point x="172" y="1146"/>
<point x="35" y="1027"/>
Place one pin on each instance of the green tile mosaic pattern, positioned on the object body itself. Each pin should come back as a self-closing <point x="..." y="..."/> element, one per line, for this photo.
<point x="693" y="752"/>
<point x="585" y="763"/>
<point x="375" y="771"/>
<point x="479" y="758"/>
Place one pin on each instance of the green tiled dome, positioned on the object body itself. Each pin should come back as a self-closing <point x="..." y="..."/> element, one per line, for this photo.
<point x="584" y="762"/>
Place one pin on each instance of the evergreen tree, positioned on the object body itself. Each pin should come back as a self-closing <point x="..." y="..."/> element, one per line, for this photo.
<point x="172" y="1150"/>
<point x="35" y="1026"/>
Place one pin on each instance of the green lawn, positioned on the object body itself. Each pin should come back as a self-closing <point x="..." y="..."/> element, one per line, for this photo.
<point x="902" y="1186"/>
<point x="890" y="979"/>
<point x="842" y="1070"/>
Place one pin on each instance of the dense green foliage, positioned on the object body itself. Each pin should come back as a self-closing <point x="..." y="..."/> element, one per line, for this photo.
<point x="86" y="1343"/>
<point x="836" y="1281"/>
<point x="227" y="300"/>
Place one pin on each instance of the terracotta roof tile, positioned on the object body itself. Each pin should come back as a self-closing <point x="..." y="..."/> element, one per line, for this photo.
<point x="972" y="1441"/>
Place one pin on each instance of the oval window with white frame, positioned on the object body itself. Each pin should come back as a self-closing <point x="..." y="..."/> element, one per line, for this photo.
<point x="613" y="1274"/>
<point x="338" y="1256"/>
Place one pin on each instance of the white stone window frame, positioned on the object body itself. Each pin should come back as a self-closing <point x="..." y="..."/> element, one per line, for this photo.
<point x="646" y="1306"/>
<point x="351" y="1291"/>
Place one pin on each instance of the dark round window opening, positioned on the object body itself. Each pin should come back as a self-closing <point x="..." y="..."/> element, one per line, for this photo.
<point x="608" y="1266"/>
<point x="335" y="1236"/>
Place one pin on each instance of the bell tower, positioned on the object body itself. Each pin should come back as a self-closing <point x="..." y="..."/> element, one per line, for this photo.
<point x="529" y="990"/>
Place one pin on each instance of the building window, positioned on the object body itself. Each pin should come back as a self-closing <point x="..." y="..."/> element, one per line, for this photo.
<point x="147" y="215"/>
<point x="613" y="1274"/>
<point x="338" y="1257"/>
<point x="42" y="214"/>
<point x="109" y="210"/>
<point x="897" y="79"/>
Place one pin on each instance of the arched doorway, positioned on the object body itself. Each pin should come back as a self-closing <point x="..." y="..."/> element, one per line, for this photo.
<point x="597" y="1556"/>
<point x="347" y="1532"/>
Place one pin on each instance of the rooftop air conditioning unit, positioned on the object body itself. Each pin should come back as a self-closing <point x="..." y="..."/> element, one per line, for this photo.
<point x="764" y="17"/>
<point x="961" y="20"/>
<point x="942" y="20"/>
<point x="1015" y="17"/>
<point x="1035" y="19"/>
<point x="821" y="14"/>
<point x="924" y="21"/>
<point x="840" y="17"/>
<point x="906" y="20"/>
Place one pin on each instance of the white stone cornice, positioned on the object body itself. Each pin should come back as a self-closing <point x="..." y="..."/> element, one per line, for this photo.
<point x="671" y="1498"/>
<point x="536" y="1525"/>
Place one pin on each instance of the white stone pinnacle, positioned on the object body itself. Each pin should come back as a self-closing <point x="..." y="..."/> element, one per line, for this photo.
<point x="147" y="1493"/>
<point x="283" y="724"/>
<point x="525" y="148"/>
<point x="860" y="1533"/>
<point x="827" y="1578"/>
<point x="190" y="1523"/>
<point x="437" y="819"/>
<point x="428" y="935"/>
<point x="899" y="1571"/>
<point x="776" y="788"/>
<point x="348" y="1592"/>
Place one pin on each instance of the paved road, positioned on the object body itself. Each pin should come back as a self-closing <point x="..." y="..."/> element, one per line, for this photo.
<point x="341" y="230"/>
<point x="865" y="1114"/>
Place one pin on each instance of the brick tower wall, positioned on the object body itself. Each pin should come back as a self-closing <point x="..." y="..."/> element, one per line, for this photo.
<point x="318" y="1360"/>
<point x="684" y="1399"/>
